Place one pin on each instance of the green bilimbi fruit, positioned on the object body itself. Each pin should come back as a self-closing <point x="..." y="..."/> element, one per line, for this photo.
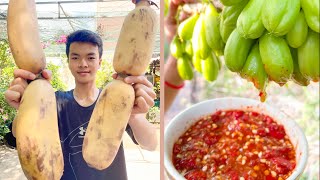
<point x="210" y="67"/>
<point x="236" y="51"/>
<point x="184" y="67"/>
<point x="231" y="2"/>
<point x="199" y="42"/>
<point x="249" y="22"/>
<point x="185" y="29"/>
<point x="297" y="77"/>
<point x="188" y="48"/>
<point x="254" y="72"/>
<point x="312" y="13"/>
<point x="298" y="34"/>
<point x="176" y="47"/>
<point x="278" y="17"/>
<point x="308" y="57"/>
<point x="228" y="19"/>
<point x="196" y="61"/>
<point x="276" y="57"/>
<point x="212" y="21"/>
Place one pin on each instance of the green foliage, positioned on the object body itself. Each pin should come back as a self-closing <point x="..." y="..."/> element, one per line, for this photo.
<point x="156" y="89"/>
<point x="56" y="81"/>
<point x="153" y="116"/>
<point x="7" y="66"/>
<point x="104" y="75"/>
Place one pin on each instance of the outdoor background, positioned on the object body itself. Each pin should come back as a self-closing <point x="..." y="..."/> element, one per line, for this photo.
<point x="56" y="20"/>
<point x="300" y="104"/>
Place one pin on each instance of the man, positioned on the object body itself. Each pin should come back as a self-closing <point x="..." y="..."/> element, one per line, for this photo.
<point x="74" y="107"/>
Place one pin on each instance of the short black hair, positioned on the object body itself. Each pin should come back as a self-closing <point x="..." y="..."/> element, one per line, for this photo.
<point x="84" y="36"/>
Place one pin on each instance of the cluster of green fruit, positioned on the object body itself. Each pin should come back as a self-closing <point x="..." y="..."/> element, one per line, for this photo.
<point x="266" y="40"/>
<point x="198" y="42"/>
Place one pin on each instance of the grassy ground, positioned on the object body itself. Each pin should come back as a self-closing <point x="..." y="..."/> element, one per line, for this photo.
<point x="298" y="103"/>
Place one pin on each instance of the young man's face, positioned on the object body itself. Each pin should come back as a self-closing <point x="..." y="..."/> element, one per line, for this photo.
<point x="84" y="61"/>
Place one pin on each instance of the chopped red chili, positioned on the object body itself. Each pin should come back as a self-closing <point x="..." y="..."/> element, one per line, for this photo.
<point x="236" y="145"/>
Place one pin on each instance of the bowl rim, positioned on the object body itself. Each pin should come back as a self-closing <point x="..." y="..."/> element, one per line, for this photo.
<point x="173" y="173"/>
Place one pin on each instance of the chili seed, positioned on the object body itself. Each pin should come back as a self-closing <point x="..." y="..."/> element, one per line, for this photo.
<point x="254" y="174"/>
<point x="179" y="156"/>
<point x="221" y="166"/>
<point x="244" y="157"/>
<point x="254" y="131"/>
<point x="239" y="157"/>
<point x="214" y="126"/>
<point x="233" y="134"/>
<point x="263" y="160"/>
<point x="243" y="162"/>
<point x="189" y="139"/>
<point x="227" y="133"/>
<point x="266" y="172"/>
<point x="267" y="130"/>
<point x="260" y="154"/>
<point x="256" y="168"/>
<point x="280" y="178"/>
<point x="242" y="178"/>
<point x="204" y="168"/>
<point x="273" y="174"/>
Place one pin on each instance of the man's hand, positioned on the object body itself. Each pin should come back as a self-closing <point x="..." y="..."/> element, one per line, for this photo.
<point x="16" y="89"/>
<point x="144" y="94"/>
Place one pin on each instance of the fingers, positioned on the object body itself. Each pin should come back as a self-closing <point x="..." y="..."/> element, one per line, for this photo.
<point x="23" y="74"/>
<point x="138" y="80"/>
<point x="149" y="91"/>
<point x="19" y="81"/>
<point x="12" y="98"/>
<point x="140" y="106"/>
<point x="148" y="99"/>
<point x="18" y="88"/>
<point x="114" y="75"/>
<point x="47" y="74"/>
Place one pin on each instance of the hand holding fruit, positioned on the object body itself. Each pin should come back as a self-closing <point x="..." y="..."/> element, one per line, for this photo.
<point x="16" y="89"/>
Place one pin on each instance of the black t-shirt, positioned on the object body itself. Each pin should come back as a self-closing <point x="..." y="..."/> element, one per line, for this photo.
<point x="73" y="120"/>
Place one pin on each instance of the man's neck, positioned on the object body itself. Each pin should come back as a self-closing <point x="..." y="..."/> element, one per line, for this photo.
<point x="85" y="94"/>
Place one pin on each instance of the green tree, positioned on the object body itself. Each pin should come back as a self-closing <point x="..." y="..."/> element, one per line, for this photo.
<point x="56" y="81"/>
<point x="7" y="66"/>
<point x="104" y="75"/>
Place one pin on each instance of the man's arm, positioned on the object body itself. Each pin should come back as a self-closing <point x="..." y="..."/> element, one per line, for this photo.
<point x="144" y="132"/>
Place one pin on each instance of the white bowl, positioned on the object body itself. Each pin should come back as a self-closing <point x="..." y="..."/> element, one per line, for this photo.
<point x="180" y="123"/>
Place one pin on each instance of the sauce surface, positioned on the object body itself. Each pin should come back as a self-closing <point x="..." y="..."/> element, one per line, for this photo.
<point x="236" y="145"/>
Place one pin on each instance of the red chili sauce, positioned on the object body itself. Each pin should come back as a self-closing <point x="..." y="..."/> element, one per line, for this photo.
<point x="237" y="145"/>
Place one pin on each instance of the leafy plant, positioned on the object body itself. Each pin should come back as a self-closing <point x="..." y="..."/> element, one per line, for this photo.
<point x="153" y="116"/>
<point x="104" y="75"/>
<point x="7" y="113"/>
<point x="56" y="81"/>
